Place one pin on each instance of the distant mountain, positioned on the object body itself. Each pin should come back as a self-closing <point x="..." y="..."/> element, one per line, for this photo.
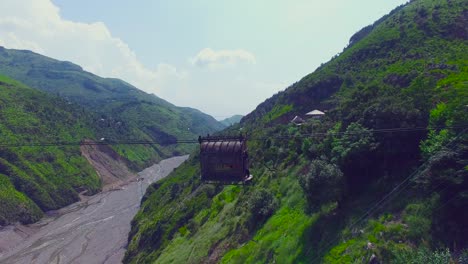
<point x="36" y="179"/>
<point x="231" y="120"/>
<point x="381" y="178"/>
<point x="139" y="116"/>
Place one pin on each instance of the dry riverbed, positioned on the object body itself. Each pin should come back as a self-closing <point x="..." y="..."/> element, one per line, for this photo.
<point x="94" y="230"/>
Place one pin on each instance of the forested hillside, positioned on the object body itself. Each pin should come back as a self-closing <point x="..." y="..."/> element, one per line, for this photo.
<point x="36" y="179"/>
<point x="134" y="114"/>
<point x="382" y="177"/>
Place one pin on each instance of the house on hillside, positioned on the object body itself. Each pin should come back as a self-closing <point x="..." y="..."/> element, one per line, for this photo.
<point x="315" y="114"/>
<point x="297" y="121"/>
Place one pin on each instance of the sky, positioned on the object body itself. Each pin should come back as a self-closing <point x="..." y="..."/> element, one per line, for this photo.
<point x="221" y="57"/>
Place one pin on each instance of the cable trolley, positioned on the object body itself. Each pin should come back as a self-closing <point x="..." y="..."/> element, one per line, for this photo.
<point x="224" y="159"/>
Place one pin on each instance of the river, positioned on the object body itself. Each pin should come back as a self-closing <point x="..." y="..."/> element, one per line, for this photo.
<point x="90" y="231"/>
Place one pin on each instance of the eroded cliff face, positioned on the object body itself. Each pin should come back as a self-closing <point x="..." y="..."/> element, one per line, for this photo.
<point x="109" y="165"/>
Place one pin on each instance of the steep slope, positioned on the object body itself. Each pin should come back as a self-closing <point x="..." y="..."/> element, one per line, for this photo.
<point x="36" y="179"/>
<point x="140" y="116"/>
<point x="382" y="177"/>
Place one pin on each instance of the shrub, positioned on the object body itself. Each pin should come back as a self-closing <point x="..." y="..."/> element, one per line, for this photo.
<point x="423" y="256"/>
<point x="463" y="258"/>
<point x="418" y="218"/>
<point x="434" y="142"/>
<point x="262" y="204"/>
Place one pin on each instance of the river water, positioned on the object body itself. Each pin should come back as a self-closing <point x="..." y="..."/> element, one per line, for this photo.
<point x="91" y="231"/>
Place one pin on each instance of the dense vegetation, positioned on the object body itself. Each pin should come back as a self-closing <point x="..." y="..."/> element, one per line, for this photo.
<point x="382" y="177"/>
<point x="36" y="179"/>
<point x="132" y="113"/>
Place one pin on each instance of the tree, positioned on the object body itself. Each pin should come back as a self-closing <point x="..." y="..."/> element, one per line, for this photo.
<point x="446" y="173"/>
<point x="355" y="143"/>
<point x="323" y="183"/>
<point x="353" y="152"/>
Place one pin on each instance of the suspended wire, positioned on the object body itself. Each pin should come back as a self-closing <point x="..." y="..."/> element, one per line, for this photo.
<point x="379" y="204"/>
<point x="394" y="192"/>
<point x="94" y="143"/>
<point x="194" y="141"/>
<point x="384" y="130"/>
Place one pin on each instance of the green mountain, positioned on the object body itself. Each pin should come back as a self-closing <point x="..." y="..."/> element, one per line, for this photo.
<point x="381" y="178"/>
<point x="79" y="106"/>
<point x="36" y="179"/>
<point x="134" y="114"/>
<point x="231" y="120"/>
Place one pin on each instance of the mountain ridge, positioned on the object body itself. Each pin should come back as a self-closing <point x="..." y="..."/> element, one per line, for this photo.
<point x="56" y="103"/>
<point x="135" y="114"/>
<point x="229" y="121"/>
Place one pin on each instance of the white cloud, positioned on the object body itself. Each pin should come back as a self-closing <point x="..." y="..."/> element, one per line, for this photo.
<point x="37" y="25"/>
<point x="219" y="58"/>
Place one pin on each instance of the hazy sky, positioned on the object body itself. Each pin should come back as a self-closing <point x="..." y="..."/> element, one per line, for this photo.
<point x="222" y="57"/>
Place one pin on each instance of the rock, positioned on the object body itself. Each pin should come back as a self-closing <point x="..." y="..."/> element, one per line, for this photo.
<point x="373" y="259"/>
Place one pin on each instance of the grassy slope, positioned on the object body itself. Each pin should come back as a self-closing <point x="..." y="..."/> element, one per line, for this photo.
<point x="407" y="70"/>
<point x="34" y="178"/>
<point x="133" y="113"/>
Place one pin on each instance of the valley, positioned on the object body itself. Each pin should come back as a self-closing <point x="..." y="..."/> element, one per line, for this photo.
<point x="94" y="230"/>
<point x="362" y="160"/>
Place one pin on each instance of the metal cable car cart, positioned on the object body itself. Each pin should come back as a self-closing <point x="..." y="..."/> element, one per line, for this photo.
<point x="224" y="160"/>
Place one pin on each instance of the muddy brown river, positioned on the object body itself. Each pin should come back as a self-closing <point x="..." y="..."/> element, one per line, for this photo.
<point x="91" y="231"/>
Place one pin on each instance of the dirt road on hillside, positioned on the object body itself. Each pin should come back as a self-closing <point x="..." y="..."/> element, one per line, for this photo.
<point x="91" y="231"/>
